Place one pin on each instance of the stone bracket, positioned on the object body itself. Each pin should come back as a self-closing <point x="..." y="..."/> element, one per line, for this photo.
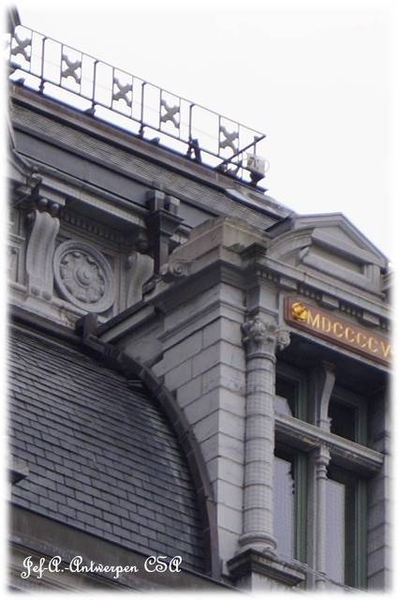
<point x="324" y="380"/>
<point x="40" y="251"/>
<point x="162" y="222"/>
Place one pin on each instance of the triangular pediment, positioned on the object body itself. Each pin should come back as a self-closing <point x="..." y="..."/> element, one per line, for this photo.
<point x="331" y="245"/>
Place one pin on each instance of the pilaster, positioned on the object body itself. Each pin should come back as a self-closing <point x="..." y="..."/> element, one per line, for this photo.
<point x="261" y="339"/>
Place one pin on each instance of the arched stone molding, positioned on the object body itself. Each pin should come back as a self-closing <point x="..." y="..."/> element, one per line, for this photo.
<point x="138" y="373"/>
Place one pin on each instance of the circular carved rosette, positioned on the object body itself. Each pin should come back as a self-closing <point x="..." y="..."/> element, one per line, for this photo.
<point x="83" y="276"/>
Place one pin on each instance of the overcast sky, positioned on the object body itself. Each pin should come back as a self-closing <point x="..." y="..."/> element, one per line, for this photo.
<point x="316" y="77"/>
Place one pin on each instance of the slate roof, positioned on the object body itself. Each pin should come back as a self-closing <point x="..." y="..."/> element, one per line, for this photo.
<point x="101" y="457"/>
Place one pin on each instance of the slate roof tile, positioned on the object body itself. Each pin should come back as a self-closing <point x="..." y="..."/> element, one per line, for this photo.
<point x="102" y="457"/>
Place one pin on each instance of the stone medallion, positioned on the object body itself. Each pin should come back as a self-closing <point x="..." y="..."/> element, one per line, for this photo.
<point x="83" y="276"/>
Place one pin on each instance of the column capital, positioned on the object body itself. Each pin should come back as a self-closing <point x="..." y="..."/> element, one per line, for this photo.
<point x="263" y="337"/>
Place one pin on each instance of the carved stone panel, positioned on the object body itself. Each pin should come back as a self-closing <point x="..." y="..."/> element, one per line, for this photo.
<point x="83" y="276"/>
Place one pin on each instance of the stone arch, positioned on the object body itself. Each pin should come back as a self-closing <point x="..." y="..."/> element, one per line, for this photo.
<point x="138" y="373"/>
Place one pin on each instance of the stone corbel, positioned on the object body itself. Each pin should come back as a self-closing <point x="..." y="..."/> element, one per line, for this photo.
<point x="39" y="256"/>
<point x="139" y="269"/>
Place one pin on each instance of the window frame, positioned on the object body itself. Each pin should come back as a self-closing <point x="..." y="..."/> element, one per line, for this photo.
<point x="356" y="536"/>
<point x="298" y="461"/>
<point x="360" y="405"/>
<point x="302" y="437"/>
<point x="296" y="377"/>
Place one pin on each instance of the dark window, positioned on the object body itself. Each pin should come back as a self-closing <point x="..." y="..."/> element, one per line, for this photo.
<point x="343" y="420"/>
<point x="286" y="401"/>
<point x="291" y="394"/>
<point x="348" y="415"/>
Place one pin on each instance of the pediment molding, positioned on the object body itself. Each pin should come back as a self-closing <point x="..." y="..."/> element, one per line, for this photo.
<point x="333" y="246"/>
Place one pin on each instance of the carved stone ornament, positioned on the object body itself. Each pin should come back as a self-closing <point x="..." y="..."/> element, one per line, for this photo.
<point x="83" y="276"/>
<point x="259" y="336"/>
<point x="173" y="271"/>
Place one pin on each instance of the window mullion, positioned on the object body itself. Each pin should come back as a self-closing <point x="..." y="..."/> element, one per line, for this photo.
<point x="301" y="480"/>
<point x="361" y="534"/>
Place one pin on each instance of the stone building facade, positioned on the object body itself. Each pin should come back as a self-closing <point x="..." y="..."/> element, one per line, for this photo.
<point x="195" y="370"/>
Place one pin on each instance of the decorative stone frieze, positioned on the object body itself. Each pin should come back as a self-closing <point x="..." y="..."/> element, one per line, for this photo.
<point x="83" y="276"/>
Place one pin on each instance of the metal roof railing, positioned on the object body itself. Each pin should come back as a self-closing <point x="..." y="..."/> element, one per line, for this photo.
<point x="146" y="110"/>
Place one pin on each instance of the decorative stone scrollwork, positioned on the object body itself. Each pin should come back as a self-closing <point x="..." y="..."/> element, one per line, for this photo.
<point x="172" y="271"/>
<point x="44" y="230"/>
<point x="83" y="276"/>
<point x="259" y="336"/>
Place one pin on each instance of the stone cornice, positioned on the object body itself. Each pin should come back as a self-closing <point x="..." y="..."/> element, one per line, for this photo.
<point x="136" y="150"/>
<point x="189" y="287"/>
<point x="291" y="279"/>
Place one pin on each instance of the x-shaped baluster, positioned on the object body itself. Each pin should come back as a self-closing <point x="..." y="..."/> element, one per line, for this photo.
<point x="170" y="112"/>
<point x="123" y="91"/>
<point x="22" y="47"/>
<point x="71" y="69"/>
<point x="229" y="139"/>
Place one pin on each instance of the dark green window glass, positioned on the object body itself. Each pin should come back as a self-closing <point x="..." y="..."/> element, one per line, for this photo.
<point x="291" y="399"/>
<point x="349" y="419"/>
<point x="343" y="420"/>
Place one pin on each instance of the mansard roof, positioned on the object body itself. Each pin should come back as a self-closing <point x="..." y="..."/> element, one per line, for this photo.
<point x="101" y="457"/>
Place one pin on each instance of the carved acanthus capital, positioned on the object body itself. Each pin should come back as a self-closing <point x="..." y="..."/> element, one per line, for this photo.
<point x="263" y="337"/>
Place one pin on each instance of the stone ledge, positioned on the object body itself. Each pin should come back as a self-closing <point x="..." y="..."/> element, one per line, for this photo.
<point x="253" y="561"/>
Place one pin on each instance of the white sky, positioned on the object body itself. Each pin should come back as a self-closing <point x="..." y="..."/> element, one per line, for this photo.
<point x="316" y="77"/>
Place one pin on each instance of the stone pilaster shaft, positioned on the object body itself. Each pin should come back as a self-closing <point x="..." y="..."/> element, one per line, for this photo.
<point x="261" y="340"/>
<point x="322" y="461"/>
